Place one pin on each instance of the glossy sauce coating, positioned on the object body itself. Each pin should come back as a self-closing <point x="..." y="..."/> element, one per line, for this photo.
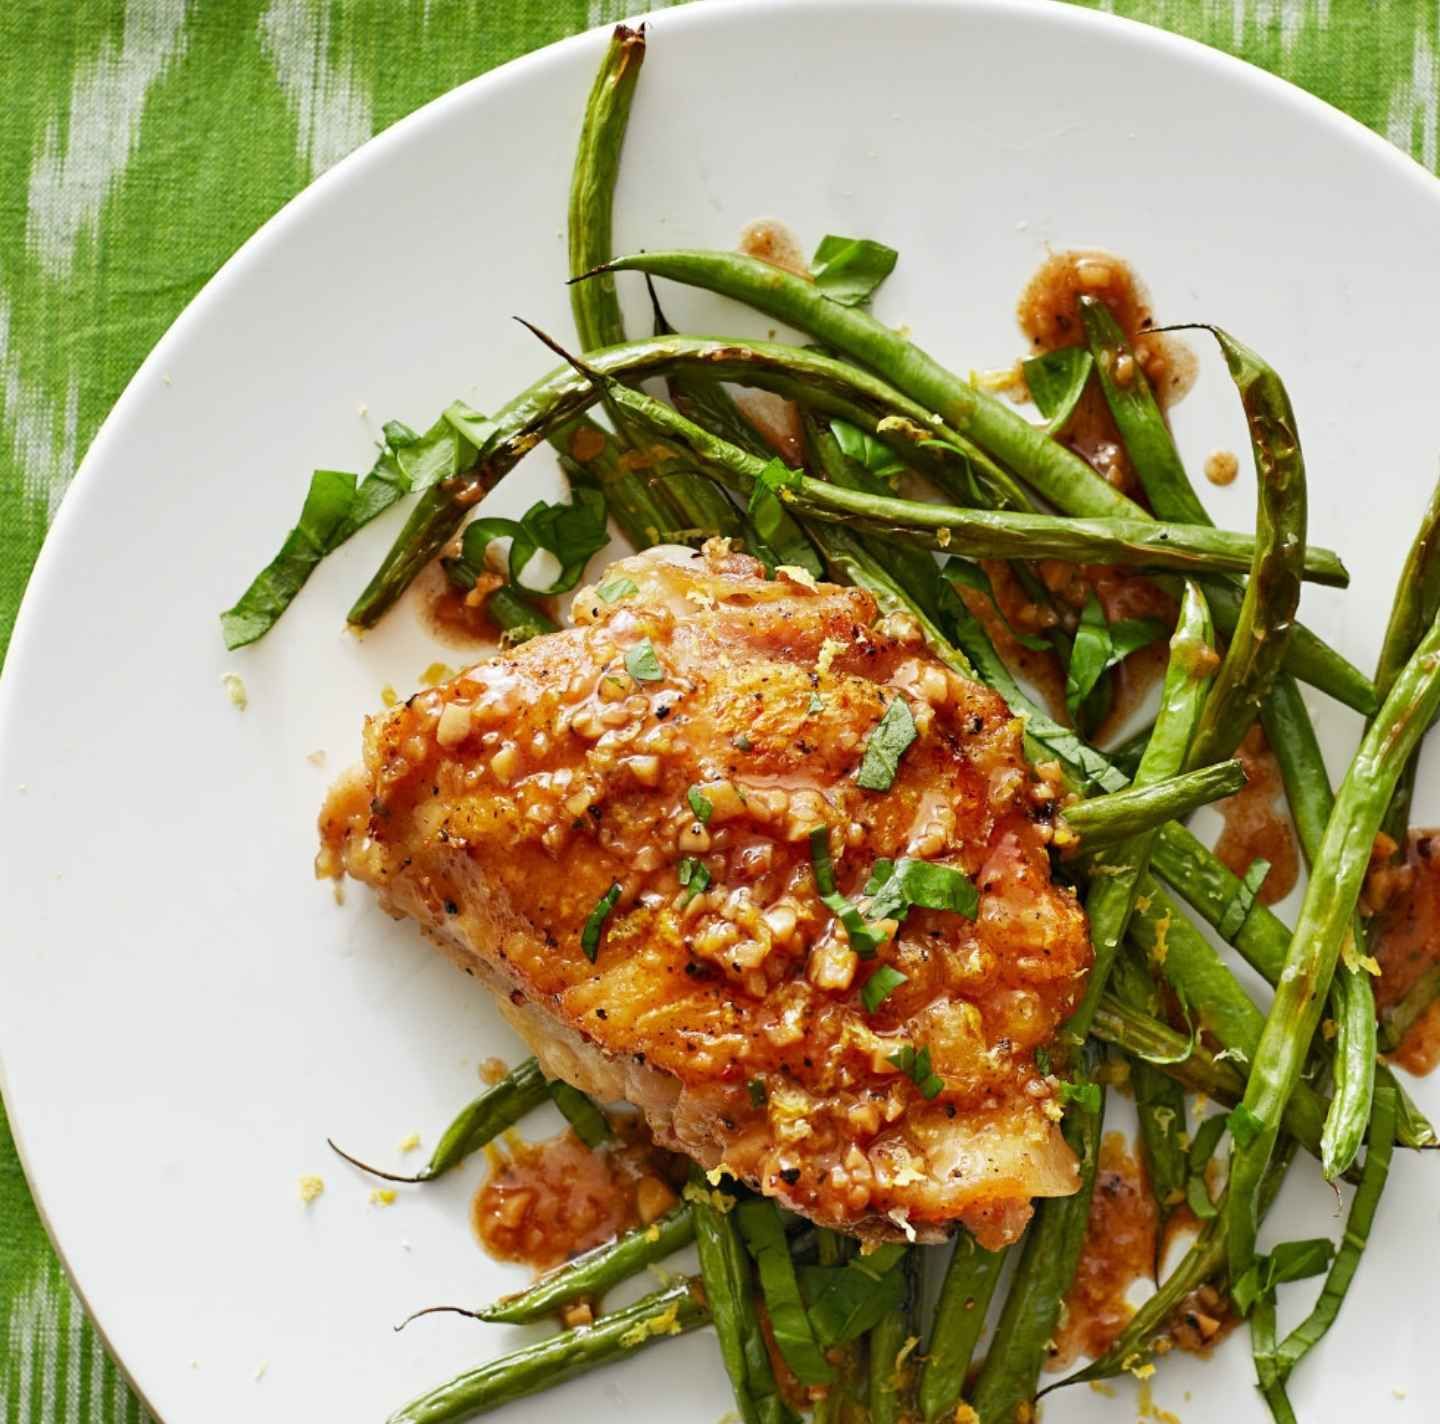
<point x="1257" y="823"/>
<point x="1406" y="942"/>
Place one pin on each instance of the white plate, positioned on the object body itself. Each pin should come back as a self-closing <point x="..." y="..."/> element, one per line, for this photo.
<point x="186" y="1014"/>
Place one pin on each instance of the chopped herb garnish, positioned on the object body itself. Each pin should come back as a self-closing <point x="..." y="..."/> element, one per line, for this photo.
<point x="617" y="589"/>
<point x="915" y="1064"/>
<point x="1289" y="1261"/>
<point x="569" y="533"/>
<point x="694" y="876"/>
<point x="398" y="435"/>
<point x="866" y="450"/>
<point x="743" y="743"/>
<point x="591" y="1125"/>
<point x="1081" y="1092"/>
<point x="700" y="805"/>
<point x="879" y="986"/>
<point x="642" y="664"/>
<point x="1042" y="1061"/>
<point x="849" y="269"/>
<point x="590" y="935"/>
<point x="323" y="516"/>
<point x="758" y="1096"/>
<point x="863" y="939"/>
<point x="1243" y="900"/>
<point x="1056" y="381"/>
<point x="1099" y="645"/>
<point x="1244" y="1126"/>
<point x="898" y="886"/>
<point x="888" y="743"/>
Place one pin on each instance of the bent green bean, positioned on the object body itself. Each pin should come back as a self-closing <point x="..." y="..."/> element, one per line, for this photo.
<point x="1324" y="922"/>
<point x="675" y="1310"/>
<point x="1106" y="820"/>
<point x="592" y="1274"/>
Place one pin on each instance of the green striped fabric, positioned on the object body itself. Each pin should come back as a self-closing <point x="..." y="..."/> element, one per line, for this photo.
<point x="141" y="141"/>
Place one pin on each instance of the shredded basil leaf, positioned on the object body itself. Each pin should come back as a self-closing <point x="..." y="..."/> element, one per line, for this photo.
<point x="849" y="269"/>
<point x="846" y="1301"/>
<point x="888" y="743"/>
<point x="1244" y="1126"/>
<point x="1243" y="900"/>
<point x="863" y="939"/>
<point x="902" y="885"/>
<point x="327" y="506"/>
<point x="970" y="575"/>
<point x="1081" y="1092"/>
<point x="914" y="1063"/>
<point x="1042" y="1061"/>
<point x="694" y="877"/>
<point x="398" y="435"/>
<point x="700" y="805"/>
<point x="1057" y="380"/>
<point x="570" y="533"/>
<point x="443" y="451"/>
<point x="1289" y="1261"/>
<point x="642" y="664"/>
<point x="760" y="1225"/>
<point x="756" y="1089"/>
<point x="862" y="447"/>
<point x="879" y="986"/>
<point x="1099" y="645"/>
<point x="616" y="589"/>
<point x="590" y="935"/>
<point x="590" y="1124"/>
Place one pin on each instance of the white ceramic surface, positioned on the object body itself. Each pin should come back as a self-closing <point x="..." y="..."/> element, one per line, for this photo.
<point x="186" y="1014"/>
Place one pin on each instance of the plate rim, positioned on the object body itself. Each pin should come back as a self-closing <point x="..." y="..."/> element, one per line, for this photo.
<point x="49" y="563"/>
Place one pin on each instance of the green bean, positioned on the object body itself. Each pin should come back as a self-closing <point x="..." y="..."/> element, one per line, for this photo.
<point x="764" y="1236"/>
<point x="970" y="1281"/>
<point x="1055" y="471"/>
<point x="645" y="513"/>
<point x="976" y="534"/>
<point x="1352" y="1001"/>
<point x="1263" y="940"/>
<point x="889" y="1371"/>
<point x="1325" y="917"/>
<point x="518" y="619"/>
<point x="1272" y="593"/>
<point x="635" y="504"/>
<point x="590" y="1275"/>
<point x="1155" y="1046"/>
<point x="519" y="1092"/>
<point x="1380" y="1145"/>
<point x="816" y="381"/>
<point x="1204" y="1261"/>
<point x="1051" y="1250"/>
<point x="729" y="1291"/>
<point x="1159" y="1096"/>
<point x="674" y="1310"/>
<point x="832" y="1405"/>
<point x="1140" y="420"/>
<point x="1115" y="873"/>
<point x="1103" y="821"/>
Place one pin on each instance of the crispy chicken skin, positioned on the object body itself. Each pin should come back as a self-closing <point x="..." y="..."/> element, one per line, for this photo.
<point x="497" y="811"/>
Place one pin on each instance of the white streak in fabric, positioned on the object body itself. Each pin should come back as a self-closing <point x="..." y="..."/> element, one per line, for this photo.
<point x="1410" y="117"/>
<point x="332" y="110"/>
<point x="42" y="435"/>
<point x="71" y="179"/>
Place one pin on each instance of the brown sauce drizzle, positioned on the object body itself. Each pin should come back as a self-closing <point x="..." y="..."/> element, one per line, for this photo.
<point x="771" y="241"/>
<point x="1119" y="1250"/>
<point x="1257" y="823"/>
<point x="461" y="620"/>
<point x="544" y="1202"/>
<point x="1406" y="939"/>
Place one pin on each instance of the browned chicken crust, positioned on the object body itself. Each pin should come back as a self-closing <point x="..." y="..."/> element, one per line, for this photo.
<point x="497" y="810"/>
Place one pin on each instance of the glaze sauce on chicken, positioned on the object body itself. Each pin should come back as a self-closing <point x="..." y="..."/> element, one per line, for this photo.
<point x="544" y="1202"/>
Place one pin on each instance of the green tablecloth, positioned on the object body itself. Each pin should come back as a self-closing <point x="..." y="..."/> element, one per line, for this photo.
<point x="141" y="141"/>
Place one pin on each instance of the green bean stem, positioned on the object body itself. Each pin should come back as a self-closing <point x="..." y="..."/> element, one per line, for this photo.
<point x="1272" y="593"/>
<point x="965" y="1295"/>
<point x="522" y="1090"/>
<point x="1325" y="916"/>
<point x="675" y="1310"/>
<point x="590" y="1275"/>
<point x="1104" y="821"/>
<point x="1054" y="470"/>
